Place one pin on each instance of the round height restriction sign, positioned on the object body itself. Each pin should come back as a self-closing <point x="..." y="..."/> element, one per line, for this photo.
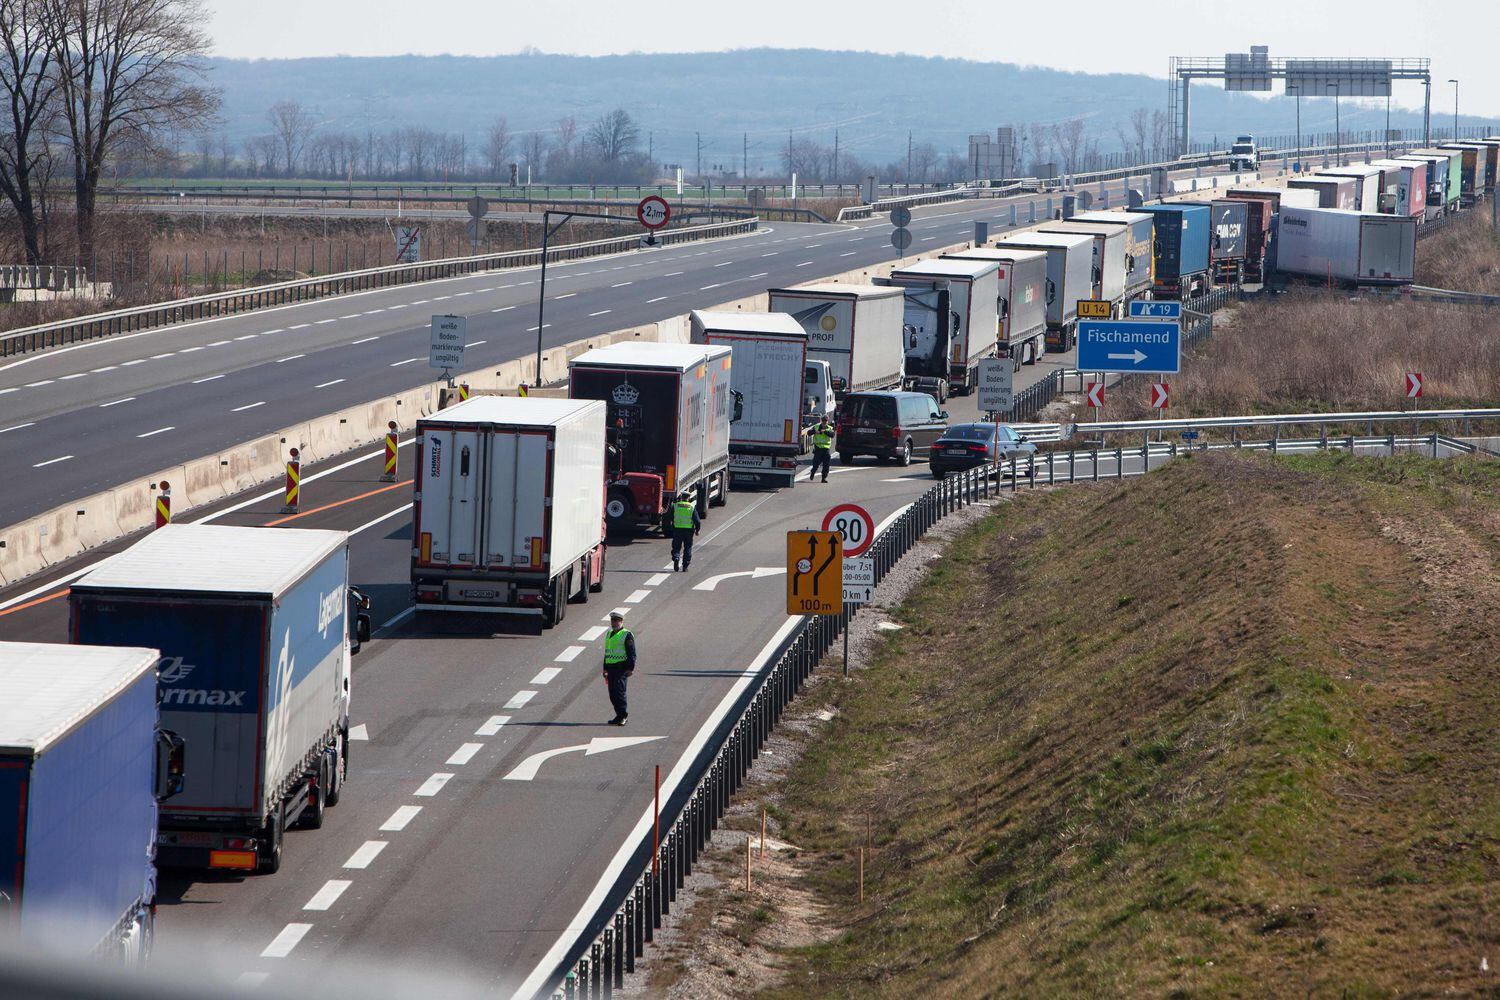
<point x="856" y="526"/>
<point x="653" y="212"/>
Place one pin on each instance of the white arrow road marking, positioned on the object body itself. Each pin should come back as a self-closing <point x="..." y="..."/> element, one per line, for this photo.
<point x="529" y="767"/>
<point x="755" y="574"/>
<point x="1135" y="356"/>
<point x="359" y="732"/>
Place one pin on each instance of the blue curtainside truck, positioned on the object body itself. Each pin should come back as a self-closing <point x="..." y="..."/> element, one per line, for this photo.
<point x="1183" y="235"/>
<point x="83" y="764"/>
<point x="255" y="628"/>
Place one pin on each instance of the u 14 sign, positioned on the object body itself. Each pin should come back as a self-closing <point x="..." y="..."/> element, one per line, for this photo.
<point x="653" y="212"/>
<point x="856" y="526"/>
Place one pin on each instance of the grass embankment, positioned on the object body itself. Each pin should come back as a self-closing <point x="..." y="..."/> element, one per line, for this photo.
<point x="1464" y="256"/>
<point x="1228" y="729"/>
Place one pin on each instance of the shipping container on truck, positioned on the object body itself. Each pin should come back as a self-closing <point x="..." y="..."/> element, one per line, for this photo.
<point x="1333" y="192"/>
<point x="1350" y="248"/>
<point x="1183" y="235"/>
<point x="768" y="371"/>
<point x="667" y="426"/>
<point x="1366" y="184"/>
<point x="944" y="351"/>
<point x="1070" y="277"/>
<point x="1403" y="187"/>
<point x="1022" y="277"/>
<point x="1260" y="213"/>
<point x="855" y="328"/>
<point x="1230" y="241"/>
<point x="1452" y="182"/>
<point x="1472" y="168"/>
<point x="1491" y="162"/>
<point x="1294" y="197"/>
<point x="508" y="507"/>
<point x="1109" y="265"/>
<point x="1139" y="230"/>
<point x="83" y="764"/>
<point x="255" y="632"/>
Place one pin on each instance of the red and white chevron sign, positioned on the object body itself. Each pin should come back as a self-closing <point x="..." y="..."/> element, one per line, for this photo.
<point x="1159" y="395"/>
<point x="1413" y="385"/>
<point x="1094" y="393"/>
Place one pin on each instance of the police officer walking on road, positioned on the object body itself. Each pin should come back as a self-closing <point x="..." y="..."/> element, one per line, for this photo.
<point x="685" y="524"/>
<point x="822" y="442"/>
<point x="619" y="663"/>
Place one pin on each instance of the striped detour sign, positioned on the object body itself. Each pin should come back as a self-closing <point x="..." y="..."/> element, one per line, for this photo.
<point x="293" y="483"/>
<point x="389" y="475"/>
<point x="164" y="505"/>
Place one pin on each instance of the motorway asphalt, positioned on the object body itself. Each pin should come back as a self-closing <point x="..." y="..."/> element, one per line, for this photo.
<point x="92" y="416"/>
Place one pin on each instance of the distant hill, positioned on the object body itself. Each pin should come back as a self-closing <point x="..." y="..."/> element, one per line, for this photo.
<point x="873" y="99"/>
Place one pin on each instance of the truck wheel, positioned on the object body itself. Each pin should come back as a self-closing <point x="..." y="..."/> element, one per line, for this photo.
<point x="617" y="509"/>
<point x="560" y="597"/>
<point x="339" y="773"/>
<point x="272" y="834"/>
<point x="317" y="803"/>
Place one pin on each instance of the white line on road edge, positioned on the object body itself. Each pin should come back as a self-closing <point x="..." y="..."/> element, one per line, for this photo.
<point x="329" y="894"/>
<point x="324" y="385"/>
<point x="200" y="381"/>
<point x="402" y="816"/>
<point x="520" y="700"/>
<point x="659" y="298"/>
<point x="294" y="357"/>
<point x="19" y="427"/>
<point x="159" y="430"/>
<point x="601" y="312"/>
<point x="364" y="340"/>
<point x="249" y="406"/>
<point x="464" y="754"/>
<point x="532" y="984"/>
<point x="281" y="946"/>
<point x="52" y="461"/>
<point x="433" y="785"/>
<point x="493" y="726"/>
<point x="637" y="596"/>
<point x="545" y="676"/>
<point x="365" y="853"/>
<point x="569" y="655"/>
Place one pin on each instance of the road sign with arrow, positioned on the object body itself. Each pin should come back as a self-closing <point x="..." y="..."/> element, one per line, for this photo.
<point x="814" y="573"/>
<point x="1129" y="345"/>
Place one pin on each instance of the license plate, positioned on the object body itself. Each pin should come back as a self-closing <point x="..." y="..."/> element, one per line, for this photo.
<point x="752" y="461"/>
<point x="955" y="451"/>
<point x="480" y="595"/>
<point x="187" y="838"/>
<point x="864" y="430"/>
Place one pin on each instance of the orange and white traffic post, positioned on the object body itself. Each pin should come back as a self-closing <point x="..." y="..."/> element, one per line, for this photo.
<point x="293" y="483"/>
<point x="164" y="504"/>
<point x="389" y="475"/>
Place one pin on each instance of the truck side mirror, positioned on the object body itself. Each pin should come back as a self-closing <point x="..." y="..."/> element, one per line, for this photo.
<point x="359" y="605"/>
<point x="171" y="756"/>
<point x="739" y="405"/>
<point x="362" y="627"/>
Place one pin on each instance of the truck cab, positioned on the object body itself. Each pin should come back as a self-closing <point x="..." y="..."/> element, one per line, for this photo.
<point x="817" y="393"/>
<point x="1244" y="155"/>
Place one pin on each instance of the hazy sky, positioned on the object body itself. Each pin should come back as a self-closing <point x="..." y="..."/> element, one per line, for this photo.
<point x="994" y="30"/>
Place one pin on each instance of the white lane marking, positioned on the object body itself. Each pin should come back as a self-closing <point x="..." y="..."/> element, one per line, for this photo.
<point x="659" y="298"/>
<point x="69" y="378"/>
<point x="564" y="295"/>
<point x="502" y="309"/>
<point x="568" y="655"/>
<point x="464" y="754"/>
<point x="35" y="385"/>
<point x="294" y="326"/>
<point x="324" y="385"/>
<point x="520" y="699"/>
<point x="332" y="319"/>
<point x="359" y="732"/>
<point x="402" y="816"/>
<point x="617" y="611"/>
<point x="927" y="239"/>
<point x="673" y="274"/>
<point x="350" y="316"/>
<point x="433" y="785"/>
<point x="773" y="253"/>
<point x="325" y="897"/>
<point x="760" y="275"/>
<point x="281" y="946"/>
<point x="492" y="726"/>
<point x="707" y="287"/>
<point x="399" y="616"/>
<point x="812" y="246"/>
<point x="370" y="850"/>
<point x="248" y="336"/>
<point x="158" y="357"/>
<point x="131" y="364"/>
<point x="200" y="381"/>
<point x="108" y="368"/>
<point x="849" y="254"/>
<point x="248" y="406"/>
<point x="365" y="340"/>
<point x="402" y="305"/>
<point x="17" y="427"/>
<point x="159" y="430"/>
<point x="546" y="674"/>
<point x="476" y="343"/>
<point x="371" y="524"/>
<point x="263" y="333"/>
<point x="637" y="596"/>
<point x="294" y="357"/>
<point x="371" y="312"/>
<point x="591" y="634"/>
<point x="52" y="461"/>
<point x="805" y="263"/>
<point x="398" y="364"/>
<point x="724" y="263"/>
<point x="622" y="284"/>
<point x="657" y="579"/>
<point x="532" y="329"/>
<point x="601" y="312"/>
<point x="856" y="239"/>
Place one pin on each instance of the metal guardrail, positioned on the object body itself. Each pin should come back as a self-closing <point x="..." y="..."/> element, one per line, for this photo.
<point x="96" y="325"/>
<point x="957" y="193"/>
<point x="1277" y="420"/>
<point x="1451" y="296"/>
<point x="51" y="277"/>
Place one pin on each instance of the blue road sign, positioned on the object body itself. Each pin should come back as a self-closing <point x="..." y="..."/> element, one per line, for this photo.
<point x="1129" y="345"/>
<point x="1155" y="310"/>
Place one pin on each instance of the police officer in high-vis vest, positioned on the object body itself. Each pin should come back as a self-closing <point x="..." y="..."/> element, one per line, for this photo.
<point x="685" y="524"/>
<point x="619" y="663"/>
<point x="822" y="442"/>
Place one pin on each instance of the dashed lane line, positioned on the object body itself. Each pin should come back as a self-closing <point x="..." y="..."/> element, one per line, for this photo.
<point x="464" y="754"/>
<point x="592" y="634"/>
<point x="325" y="897"/>
<point x="117" y="402"/>
<point x="433" y="785"/>
<point x="520" y="699"/>
<point x="282" y="944"/>
<point x="568" y="655"/>
<point x="637" y="596"/>
<point x="545" y="675"/>
<point x="365" y="854"/>
<point x="492" y="725"/>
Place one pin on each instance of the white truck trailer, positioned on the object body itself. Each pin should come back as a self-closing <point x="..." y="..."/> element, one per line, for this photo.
<point x="1109" y="257"/>
<point x="768" y="372"/>
<point x="855" y="328"/>
<point x="1070" y="277"/>
<point x="508" y="508"/>
<point x="1139" y="232"/>
<point x="1022" y="301"/>
<point x="1359" y="248"/>
<point x="943" y="351"/>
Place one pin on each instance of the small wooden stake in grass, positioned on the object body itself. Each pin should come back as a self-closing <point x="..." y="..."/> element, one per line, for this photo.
<point x="748" y="839"/>
<point x="861" y="875"/>
<point x="762" y="832"/>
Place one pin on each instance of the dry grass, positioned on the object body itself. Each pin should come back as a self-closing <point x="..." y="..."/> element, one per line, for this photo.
<point x="1465" y="256"/>
<point x="1226" y="730"/>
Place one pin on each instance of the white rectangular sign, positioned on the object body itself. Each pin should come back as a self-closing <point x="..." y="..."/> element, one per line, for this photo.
<point x="859" y="580"/>
<point x="408" y="245"/>
<point x="448" y="336"/>
<point x="996" y="385"/>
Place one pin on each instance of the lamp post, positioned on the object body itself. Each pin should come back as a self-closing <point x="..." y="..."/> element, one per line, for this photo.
<point x="1455" y="109"/>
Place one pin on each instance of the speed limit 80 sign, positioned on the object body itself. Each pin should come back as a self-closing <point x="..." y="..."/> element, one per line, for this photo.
<point x="653" y="212"/>
<point x="854" y="524"/>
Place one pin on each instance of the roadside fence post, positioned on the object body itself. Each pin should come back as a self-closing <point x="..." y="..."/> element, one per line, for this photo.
<point x="1119" y="463"/>
<point x="609" y="962"/>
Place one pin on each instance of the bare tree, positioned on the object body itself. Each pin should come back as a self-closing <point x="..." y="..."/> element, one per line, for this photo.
<point x="260" y="154"/>
<point x="806" y="158"/>
<point x="126" y="70"/>
<point x="497" y="143"/>
<point x="1068" y="138"/>
<point x="534" y="151"/>
<point x="293" y="125"/>
<point x="28" y="87"/>
<point x="924" y="161"/>
<point x="614" y="136"/>
<point x="567" y="132"/>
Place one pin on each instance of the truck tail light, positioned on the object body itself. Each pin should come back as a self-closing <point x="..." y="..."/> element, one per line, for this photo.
<point x="240" y="843"/>
<point x="896" y="433"/>
<point x="429" y="593"/>
<point x="529" y="600"/>
<point x="240" y="860"/>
